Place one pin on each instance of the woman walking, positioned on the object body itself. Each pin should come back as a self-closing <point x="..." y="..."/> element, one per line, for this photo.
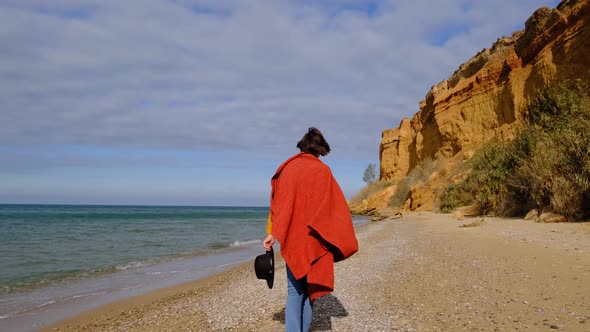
<point x="310" y="218"/>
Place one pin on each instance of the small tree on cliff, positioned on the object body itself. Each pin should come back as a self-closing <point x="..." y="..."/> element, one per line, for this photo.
<point x="370" y="173"/>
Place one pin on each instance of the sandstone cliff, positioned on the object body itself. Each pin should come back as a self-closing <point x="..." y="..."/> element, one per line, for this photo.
<point x="487" y="95"/>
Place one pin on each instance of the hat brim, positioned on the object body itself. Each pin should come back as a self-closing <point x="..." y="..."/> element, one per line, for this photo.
<point x="264" y="266"/>
<point x="271" y="278"/>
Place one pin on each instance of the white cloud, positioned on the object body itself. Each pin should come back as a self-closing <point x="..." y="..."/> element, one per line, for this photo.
<point x="202" y="75"/>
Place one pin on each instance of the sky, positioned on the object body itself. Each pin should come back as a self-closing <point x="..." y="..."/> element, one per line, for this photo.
<point x="197" y="102"/>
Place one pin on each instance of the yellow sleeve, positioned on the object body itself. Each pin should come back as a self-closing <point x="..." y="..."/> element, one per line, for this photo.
<point x="269" y="225"/>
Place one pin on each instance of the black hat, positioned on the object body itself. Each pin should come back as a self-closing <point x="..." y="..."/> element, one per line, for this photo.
<point x="264" y="266"/>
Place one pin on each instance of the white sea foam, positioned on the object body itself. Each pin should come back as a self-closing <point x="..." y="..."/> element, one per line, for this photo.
<point x="132" y="265"/>
<point x="218" y="266"/>
<point x="26" y="311"/>
<point x="133" y="287"/>
<point x="244" y="243"/>
<point x="83" y="295"/>
<point x="46" y="304"/>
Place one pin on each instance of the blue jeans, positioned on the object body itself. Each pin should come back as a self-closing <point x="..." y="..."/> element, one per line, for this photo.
<point x="298" y="310"/>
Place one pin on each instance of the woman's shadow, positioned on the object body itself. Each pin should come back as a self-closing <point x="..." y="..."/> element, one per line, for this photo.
<point x="324" y="309"/>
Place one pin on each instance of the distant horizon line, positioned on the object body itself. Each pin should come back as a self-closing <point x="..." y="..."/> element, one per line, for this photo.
<point x="130" y="205"/>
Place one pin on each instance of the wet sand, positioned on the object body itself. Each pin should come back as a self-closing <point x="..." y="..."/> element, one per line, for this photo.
<point x="422" y="272"/>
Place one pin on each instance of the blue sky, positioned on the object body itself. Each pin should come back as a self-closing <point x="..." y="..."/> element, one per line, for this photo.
<point x="196" y="102"/>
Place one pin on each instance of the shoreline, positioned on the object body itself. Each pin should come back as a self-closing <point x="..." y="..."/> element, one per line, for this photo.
<point x="422" y="272"/>
<point x="48" y="305"/>
<point x="132" y="304"/>
<point x="34" y="309"/>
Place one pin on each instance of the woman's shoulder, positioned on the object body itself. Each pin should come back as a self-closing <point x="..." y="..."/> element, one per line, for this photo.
<point x="310" y="164"/>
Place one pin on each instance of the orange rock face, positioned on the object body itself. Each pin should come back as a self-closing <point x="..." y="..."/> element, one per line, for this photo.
<point x="487" y="96"/>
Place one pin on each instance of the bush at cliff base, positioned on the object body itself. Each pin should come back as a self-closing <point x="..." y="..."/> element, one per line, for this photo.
<point x="545" y="167"/>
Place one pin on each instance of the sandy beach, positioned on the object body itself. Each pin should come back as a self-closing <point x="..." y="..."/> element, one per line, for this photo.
<point x="421" y="272"/>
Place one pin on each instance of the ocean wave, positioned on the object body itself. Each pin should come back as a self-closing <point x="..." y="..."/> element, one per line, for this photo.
<point x="133" y="287"/>
<point x="25" y="310"/>
<point x="132" y="265"/>
<point x="82" y="295"/>
<point x="154" y="244"/>
<point x="46" y="304"/>
<point x="218" y="266"/>
<point x="243" y="243"/>
<point x="65" y="244"/>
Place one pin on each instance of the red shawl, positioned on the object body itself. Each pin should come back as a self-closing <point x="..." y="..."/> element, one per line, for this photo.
<point x="311" y="220"/>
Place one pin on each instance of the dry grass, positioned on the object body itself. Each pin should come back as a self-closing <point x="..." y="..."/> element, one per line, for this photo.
<point x="368" y="190"/>
<point x="421" y="172"/>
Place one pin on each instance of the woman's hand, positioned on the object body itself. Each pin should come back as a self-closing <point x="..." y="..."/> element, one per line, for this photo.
<point x="268" y="242"/>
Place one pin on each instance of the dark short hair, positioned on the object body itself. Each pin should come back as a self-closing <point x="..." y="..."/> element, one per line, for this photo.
<point x="313" y="142"/>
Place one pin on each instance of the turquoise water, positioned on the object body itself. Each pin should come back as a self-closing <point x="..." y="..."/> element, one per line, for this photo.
<point x="45" y="245"/>
<point x="57" y="261"/>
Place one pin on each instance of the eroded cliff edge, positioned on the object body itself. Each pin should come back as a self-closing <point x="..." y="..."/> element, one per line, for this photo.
<point x="487" y="96"/>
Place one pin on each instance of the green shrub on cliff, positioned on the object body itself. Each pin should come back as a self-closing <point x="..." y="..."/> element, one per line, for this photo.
<point x="545" y="167"/>
<point x="556" y="177"/>
<point x="485" y="183"/>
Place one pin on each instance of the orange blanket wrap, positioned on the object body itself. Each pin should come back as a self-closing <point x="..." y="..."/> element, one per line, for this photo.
<point x="311" y="220"/>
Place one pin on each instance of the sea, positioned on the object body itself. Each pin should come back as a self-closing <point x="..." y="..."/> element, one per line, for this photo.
<point x="57" y="261"/>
